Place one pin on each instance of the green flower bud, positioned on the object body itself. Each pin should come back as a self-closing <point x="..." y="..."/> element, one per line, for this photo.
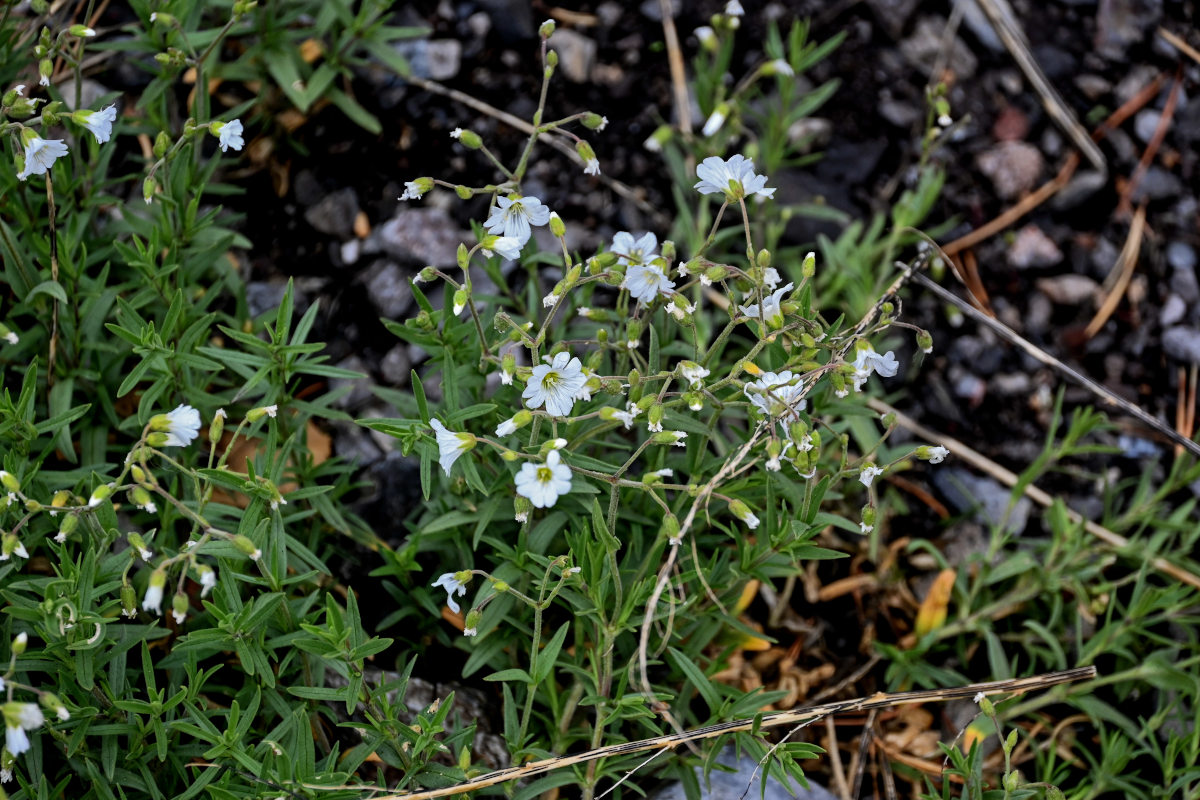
<point x="471" y="623"/>
<point x="668" y="252"/>
<point x="460" y="301"/>
<point x="149" y="188"/>
<point x="462" y="256"/>
<point x="557" y="226"/>
<point x="128" y="600"/>
<point x="45" y="68"/>
<point x="809" y="267"/>
<point x="11" y="545"/>
<point x="101" y="493"/>
<point x="655" y="416"/>
<point x="255" y="414"/>
<point x="594" y="360"/>
<point x="670" y="529"/>
<point x="925" y="341"/>
<point x="159" y="18"/>
<point x="551" y="62"/>
<point x="67" y="526"/>
<point x="694" y="400"/>
<point x="594" y="122"/>
<point x="463" y="192"/>
<point x="179" y="607"/>
<point x="869" y="515"/>
<point x="522" y="418"/>
<point x="509" y="455"/>
<point x="743" y="512"/>
<point x="763" y="259"/>
<point x="141" y="498"/>
<point x="985" y="705"/>
<point x="1012" y="781"/>
<point x="247" y="547"/>
<point x="602" y="336"/>
<point x="546" y="29"/>
<point x="81" y="31"/>
<point x="669" y="437"/>
<point x="716" y="273"/>
<point x="1011" y="741"/>
<point x="33" y="505"/>
<point x="469" y="139"/>
<point x="10" y="481"/>
<point x="500" y="586"/>
<point x="19" y="643"/>
<point x="521" y="508"/>
<point x="51" y="703"/>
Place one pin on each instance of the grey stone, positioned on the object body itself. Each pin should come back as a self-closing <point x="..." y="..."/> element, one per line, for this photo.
<point x="970" y="387"/>
<point x="1182" y="343"/>
<point x="1033" y="248"/>
<point x="747" y="780"/>
<point x="306" y="188"/>
<point x="388" y="288"/>
<point x="1184" y="284"/>
<point x="1083" y="185"/>
<point x="424" y="235"/>
<point x="893" y="14"/>
<point x="360" y="388"/>
<point x="1068" y="290"/>
<point x="1156" y="184"/>
<point x="264" y="296"/>
<point x="652" y="9"/>
<point x="1181" y="255"/>
<point x="513" y="19"/>
<point x="1010" y="384"/>
<point x="977" y="22"/>
<point x="396" y="365"/>
<point x="438" y="59"/>
<point x="1092" y="86"/>
<point x="924" y="48"/>
<point x="899" y="113"/>
<point x="1013" y="167"/>
<point x="1136" y="78"/>
<point x="354" y="443"/>
<point x="351" y="250"/>
<point x="334" y="213"/>
<point x="1146" y="123"/>
<point x="576" y="54"/>
<point x="1038" y="313"/>
<point x="1173" y="311"/>
<point x="988" y="498"/>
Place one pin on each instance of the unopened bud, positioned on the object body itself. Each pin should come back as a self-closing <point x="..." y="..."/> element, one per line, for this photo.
<point x="546" y="29"/>
<point x="743" y="512"/>
<point x="10" y="481"/>
<point x="149" y="187"/>
<point x="255" y="414"/>
<point x="763" y="259"/>
<point x="594" y="122"/>
<point x="557" y="226"/>
<point x="925" y="341"/>
<point x="19" y="643"/>
<point x="670" y="529"/>
<point x="809" y="267"/>
<point x="81" y="31"/>
<point x="246" y="546"/>
<point x="179" y="607"/>
<point x="471" y="623"/>
<point x="469" y="138"/>
<point x="100" y="494"/>
<point x="551" y="62"/>
<point x="128" y="600"/>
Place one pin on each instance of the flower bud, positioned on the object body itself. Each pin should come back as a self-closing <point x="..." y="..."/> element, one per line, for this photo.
<point x="19" y="643"/>
<point x="463" y="192"/>
<point x="160" y="18"/>
<point x="546" y="29"/>
<point x="551" y="62"/>
<point x="500" y="586"/>
<point x="7" y="334"/>
<point x="138" y="543"/>
<point x="81" y="31"/>
<point x="51" y="703"/>
<point x="9" y="481"/>
<point x="247" y="547"/>
<point x="594" y="122"/>
<point x="510" y="455"/>
<point x="670" y="529"/>
<point x="179" y="607"/>
<point x="255" y="414"/>
<point x="460" y="301"/>
<point x="809" y="267"/>
<point x="67" y="527"/>
<point x="471" y="623"/>
<point x="45" y="70"/>
<point x="669" y="437"/>
<point x="521" y="508"/>
<point x="10" y="545"/>
<point x="149" y="187"/>
<point x="715" y="273"/>
<point x="925" y="341"/>
<point x="763" y="259"/>
<point x="469" y="139"/>
<point x="707" y="38"/>
<point x="602" y="336"/>
<point x="128" y="600"/>
<point x="694" y="400"/>
<point x="934" y="455"/>
<point x="743" y="512"/>
<point x="101" y="493"/>
<point x="557" y="226"/>
<point x="654" y="418"/>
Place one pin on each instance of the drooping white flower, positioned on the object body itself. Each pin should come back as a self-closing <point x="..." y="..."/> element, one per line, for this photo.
<point x="208" y="579"/>
<point x="451" y="583"/>
<point x="456" y="133"/>
<point x="18" y="718"/>
<point x="152" y="601"/>
<point x="509" y="247"/>
<point x="450" y="444"/>
<point x="772" y="307"/>
<point x="869" y="473"/>
<point x="543" y="483"/>
<point x="592" y="167"/>
<point x="646" y="283"/>
<point x="229" y="134"/>
<point x="734" y="178"/>
<point x="508" y="426"/>
<point x="182" y="425"/>
<point x="779" y="396"/>
<point x="100" y="123"/>
<point x="549" y="300"/>
<point x="555" y="384"/>
<point x="937" y="454"/>
<point x="715" y="120"/>
<point x="40" y="154"/>
<point x="634" y="251"/>
<point x="868" y="361"/>
<point x="513" y="215"/>
<point x="414" y="190"/>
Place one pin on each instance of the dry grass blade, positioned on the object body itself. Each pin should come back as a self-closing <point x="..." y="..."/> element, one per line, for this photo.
<point x="1160" y="132"/>
<point x="1042" y="498"/>
<point x="799" y="716"/>
<point x="1126" y="263"/>
<point x="1180" y="45"/>
<point x="1104" y="395"/>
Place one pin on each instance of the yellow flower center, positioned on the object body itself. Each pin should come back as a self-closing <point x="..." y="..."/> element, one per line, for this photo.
<point x="545" y="475"/>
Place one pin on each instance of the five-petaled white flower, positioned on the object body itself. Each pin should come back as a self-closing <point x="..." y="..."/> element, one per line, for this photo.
<point x="229" y="134"/>
<point x="543" y="483"/>
<point x="451" y="583"/>
<point x="869" y="473"/>
<point x="509" y="247"/>
<point x="646" y="283"/>
<point x="514" y="214"/>
<point x="182" y="425"/>
<point x="18" y="718"/>
<point x="40" y="154"/>
<point x="634" y="251"/>
<point x="733" y="178"/>
<point x="555" y="383"/>
<point x="100" y="123"/>
<point x="772" y="307"/>
<point x="779" y="396"/>
<point x="450" y="444"/>
<point x="868" y="360"/>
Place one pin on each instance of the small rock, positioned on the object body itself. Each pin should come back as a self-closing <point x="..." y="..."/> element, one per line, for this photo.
<point x="1011" y="384"/>
<point x="971" y="388"/>
<point x="893" y="14"/>
<point x="359" y="388"/>
<point x="424" y="235"/>
<point x="445" y="58"/>
<point x="978" y="23"/>
<point x="1172" y="311"/>
<point x="1136" y="78"/>
<point x="809" y="133"/>
<point x="1038" y="313"/>
<point x="1136" y="447"/>
<point x="1082" y="186"/>
<point x="1184" y="284"/>
<point x="1181" y="255"/>
<point x="1011" y="125"/>
<point x="264" y="296"/>
<point x="1013" y="167"/>
<point x="990" y="499"/>
<point x="1182" y="343"/>
<point x="306" y="188"/>
<point x="396" y="366"/>
<point x="388" y="289"/>
<point x="1068" y="290"/>
<point x="1092" y="86"/>
<point x="1146" y="123"/>
<point x="1156" y="184"/>
<point x="354" y="443"/>
<point x="334" y="214"/>
<point x="576" y="54"/>
<point x="351" y="250"/>
<point x="924" y="48"/>
<point x="1033" y="248"/>
<point x="748" y="780"/>
<point x="898" y="112"/>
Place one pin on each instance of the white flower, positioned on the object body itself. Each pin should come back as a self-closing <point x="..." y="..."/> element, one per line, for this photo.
<point x="771" y="278"/>
<point x="646" y="283"/>
<point x="508" y="426"/>
<point x="543" y="483"/>
<point x="208" y="579"/>
<point x="556" y="384"/>
<point x="549" y="300"/>
<point x="514" y="214"/>
<point x="506" y="377"/>
<point x="412" y="191"/>
<point x="456" y="133"/>
<point x="634" y="251"/>
<point x="179" y="616"/>
<point x="182" y="425"/>
<point x="680" y="436"/>
<point x="868" y="360"/>
<point x="937" y="454"/>
<point x="654" y="427"/>
<point x="706" y="36"/>
<point x="714" y="122"/>
<point x="11" y="338"/>
<point x="773" y="464"/>
<point x="592" y="167"/>
<point x="772" y="307"/>
<point x="98" y="122"/>
<point x="450" y="444"/>
<point x="734" y="9"/>
<point x="625" y="418"/>
<point x="868" y="474"/>
<point x="509" y="247"/>
<point x="734" y="178"/>
<point x="18" y="718"/>
<point x="693" y="373"/>
<point x="470" y="631"/>
<point x="979" y="696"/>
<point x="779" y="396"/>
<point x="603" y="124"/>
<point x="780" y="66"/>
<point x="19" y="89"/>
<point x="40" y="154"/>
<point x="229" y="134"/>
<point x="450" y="582"/>
<point x="865" y="528"/>
<point x="153" y="599"/>
<point x="585" y="391"/>
<point x="5" y="775"/>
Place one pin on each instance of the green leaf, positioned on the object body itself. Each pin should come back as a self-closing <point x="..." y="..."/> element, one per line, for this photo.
<point x="509" y="675"/>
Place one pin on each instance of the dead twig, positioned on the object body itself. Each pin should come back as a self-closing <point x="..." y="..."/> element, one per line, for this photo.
<point x="1042" y="498"/>
<point x="1180" y="45"/>
<point x="1126" y="263"/>
<point x="1106" y="397"/>
<point x="683" y="106"/>
<point x="799" y="716"/>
